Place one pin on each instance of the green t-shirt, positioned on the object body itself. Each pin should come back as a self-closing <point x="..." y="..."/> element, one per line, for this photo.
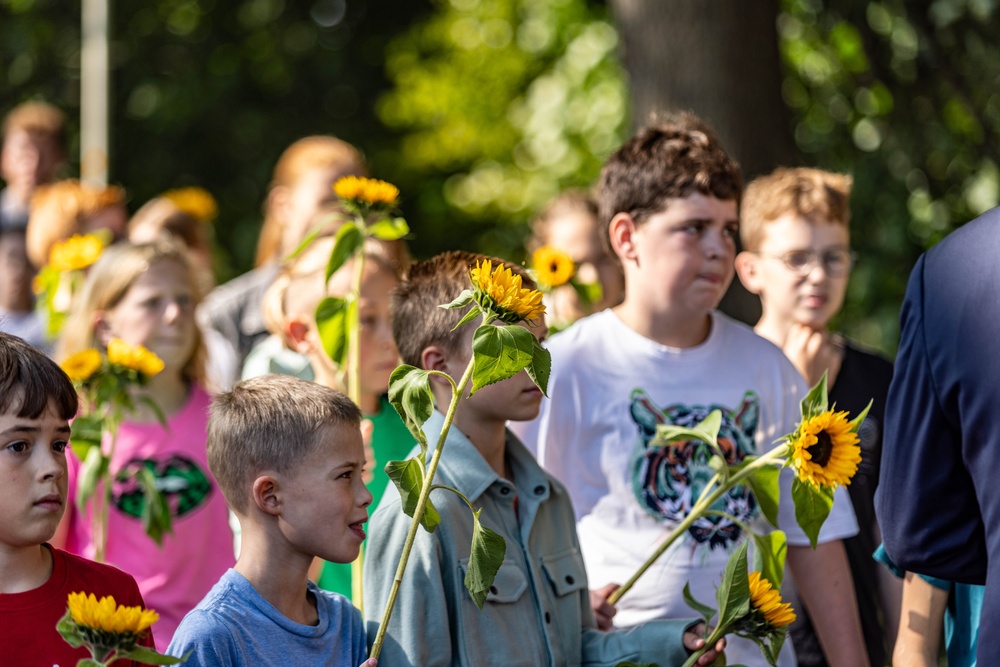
<point x="391" y="441"/>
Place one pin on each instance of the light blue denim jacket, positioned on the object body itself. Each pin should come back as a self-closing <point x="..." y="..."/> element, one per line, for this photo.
<point x="538" y="611"/>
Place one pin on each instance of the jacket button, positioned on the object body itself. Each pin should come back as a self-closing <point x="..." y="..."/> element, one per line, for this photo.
<point x="539" y="490"/>
<point x="548" y="617"/>
<point x="493" y="589"/>
<point x="570" y="580"/>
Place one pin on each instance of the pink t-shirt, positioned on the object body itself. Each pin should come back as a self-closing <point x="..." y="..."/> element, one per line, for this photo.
<point x="175" y="577"/>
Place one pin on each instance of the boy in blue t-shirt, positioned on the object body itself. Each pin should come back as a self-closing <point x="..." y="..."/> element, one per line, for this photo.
<point x="288" y="456"/>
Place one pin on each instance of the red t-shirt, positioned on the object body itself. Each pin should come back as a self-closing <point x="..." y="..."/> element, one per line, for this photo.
<point x="28" y="635"/>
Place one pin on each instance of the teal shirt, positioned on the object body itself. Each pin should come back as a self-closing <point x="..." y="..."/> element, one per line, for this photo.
<point x="538" y="612"/>
<point x="391" y="441"/>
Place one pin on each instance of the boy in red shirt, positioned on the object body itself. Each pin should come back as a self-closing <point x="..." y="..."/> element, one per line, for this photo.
<point x="37" y="400"/>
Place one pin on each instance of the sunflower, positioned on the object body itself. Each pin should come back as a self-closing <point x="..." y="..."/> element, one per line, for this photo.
<point x="767" y="601"/>
<point x="136" y="358"/>
<point x="825" y="450"/>
<point x="196" y="202"/>
<point x="500" y="291"/>
<point x="553" y="268"/>
<point x="76" y="252"/>
<point x="105" y="616"/>
<point x="366" y="191"/>
<point x="80" y="366"/>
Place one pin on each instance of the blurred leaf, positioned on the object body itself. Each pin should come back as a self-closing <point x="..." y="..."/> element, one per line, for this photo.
<point x="349" y="238"/>
<point x="331" y="322"/>
<point x="408" y="476"/>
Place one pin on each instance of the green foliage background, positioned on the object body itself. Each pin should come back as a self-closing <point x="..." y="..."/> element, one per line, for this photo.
<point x="482" y="109"/>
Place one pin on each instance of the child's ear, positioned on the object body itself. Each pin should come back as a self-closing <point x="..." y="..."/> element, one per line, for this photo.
<point x="621" y="229"/>
<point x="266" y="496"/>
<point x="748" y="271"/>
<point x="434" y="358"/>
<point x="297" y="334"/>
<point x="102" y="329"/>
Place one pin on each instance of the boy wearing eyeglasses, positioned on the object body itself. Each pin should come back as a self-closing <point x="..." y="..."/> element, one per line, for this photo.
<point x="794" y="225"/>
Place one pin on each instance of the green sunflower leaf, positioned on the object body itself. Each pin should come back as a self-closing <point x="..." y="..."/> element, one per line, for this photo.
<point x="389" y="229"/>
<point x="707" y="430"/>
<point x="408" y="476"/>
<point x="410" y="393"/>
<point x="769" y="556"/>
<point x="148" y="656"/>
<point x="540" y="366"/>
<point x="812" y="506"/>
<point x="332" y="315"/>
<point x="816" y="400"/>
<point x="500" y="352"/>
<point x="485" y="559"/>
<point x="733" y="594"/>
<point x="855" y="423"/>
<point x="156" y="518"/>
<point x="463" y="299"/>
<point x="588" y="293"/>
<point x="93" y="470"/>
<point x="349" y="238"/>
<point x="704" y="610"/>
<point x="764" y="484"/>
<point x="85" y="434"/>
<point x="67" y="628"/>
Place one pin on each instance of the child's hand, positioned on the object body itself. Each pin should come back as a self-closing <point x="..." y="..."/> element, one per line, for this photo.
<point x="370" y="662"/>
<point x="812" y="352"/>
<point x="694" y="640"/>
<point x="367" y="429"/>
<point x="603" y="612"/>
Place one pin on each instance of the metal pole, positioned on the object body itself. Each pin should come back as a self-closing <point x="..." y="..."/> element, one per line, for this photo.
<point x="94" y="112"/>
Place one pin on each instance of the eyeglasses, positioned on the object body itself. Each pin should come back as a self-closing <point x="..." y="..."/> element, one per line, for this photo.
<point x="836" y="263"/>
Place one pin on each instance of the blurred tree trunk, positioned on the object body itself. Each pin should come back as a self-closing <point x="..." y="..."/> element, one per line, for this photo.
<point x="718" y="58"/>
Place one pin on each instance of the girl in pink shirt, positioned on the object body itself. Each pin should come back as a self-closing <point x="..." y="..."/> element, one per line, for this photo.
<point x="146" y="295"/>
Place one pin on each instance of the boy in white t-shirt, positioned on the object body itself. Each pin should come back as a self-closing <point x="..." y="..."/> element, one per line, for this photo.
<point x="669" y="196"/>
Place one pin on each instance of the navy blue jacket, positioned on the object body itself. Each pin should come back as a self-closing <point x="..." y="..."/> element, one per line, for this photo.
<point x="939" y="486"/>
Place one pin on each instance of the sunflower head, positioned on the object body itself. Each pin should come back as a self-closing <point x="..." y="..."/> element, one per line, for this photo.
<point x="366" y="191"/>
<point x="196" y="202"/>
<point x="80" y="366"/>
<point x="105" y="624"/>
<point x="76" y="252"/>
<point x="500" y="291"/>
<point x="553" y="268"/>
<point x="136" y="358"/>
<point x="825" y="450"/>
<point x="767" y="602"/>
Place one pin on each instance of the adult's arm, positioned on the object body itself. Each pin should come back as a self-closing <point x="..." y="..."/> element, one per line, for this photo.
<point x="926" y="502"/>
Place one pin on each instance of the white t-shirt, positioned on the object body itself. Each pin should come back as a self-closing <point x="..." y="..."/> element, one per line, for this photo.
<point x="609" y="388"/>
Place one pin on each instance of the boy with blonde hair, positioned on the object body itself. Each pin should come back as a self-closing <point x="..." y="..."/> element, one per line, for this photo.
<point x="288" y="457"/>
<point x="537" y="611"/>
<point x="795" y="229"/>
<point x="669" y="198"/>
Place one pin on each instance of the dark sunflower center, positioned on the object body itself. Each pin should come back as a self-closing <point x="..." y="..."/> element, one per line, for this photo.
<point x="822" y="450"/>
<point x="554" y="266"/>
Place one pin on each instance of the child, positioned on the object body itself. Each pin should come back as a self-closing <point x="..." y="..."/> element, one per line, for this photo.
<point x="295" y="349"/>
<point x="797" y="257"/>
<point x="538" y="612"/>
<point x="146" y="295"/>
<point x="69" y="207"/>
<point x="669" y="199"/>
<point x="37" y="401"/>
<point x="301" y="185"/>
<point x="288" y="456"/>
<point x="34" y="148"/>
<point x="569" y="223"/>
<point x="17" y="312"/>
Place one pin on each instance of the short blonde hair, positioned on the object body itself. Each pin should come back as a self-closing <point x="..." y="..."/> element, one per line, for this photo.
<point x="812" y="194"/>
<point x="59" y="210"/>
<point x="108" y="280"/>
<point x="271" y="423"/>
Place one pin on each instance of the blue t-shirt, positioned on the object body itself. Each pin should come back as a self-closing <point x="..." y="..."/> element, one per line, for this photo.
<point x="235" y="626"/>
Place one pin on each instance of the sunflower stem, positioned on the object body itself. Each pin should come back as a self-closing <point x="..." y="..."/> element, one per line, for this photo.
<point x="418" y="513"/>
<point x="699" y="510"/>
